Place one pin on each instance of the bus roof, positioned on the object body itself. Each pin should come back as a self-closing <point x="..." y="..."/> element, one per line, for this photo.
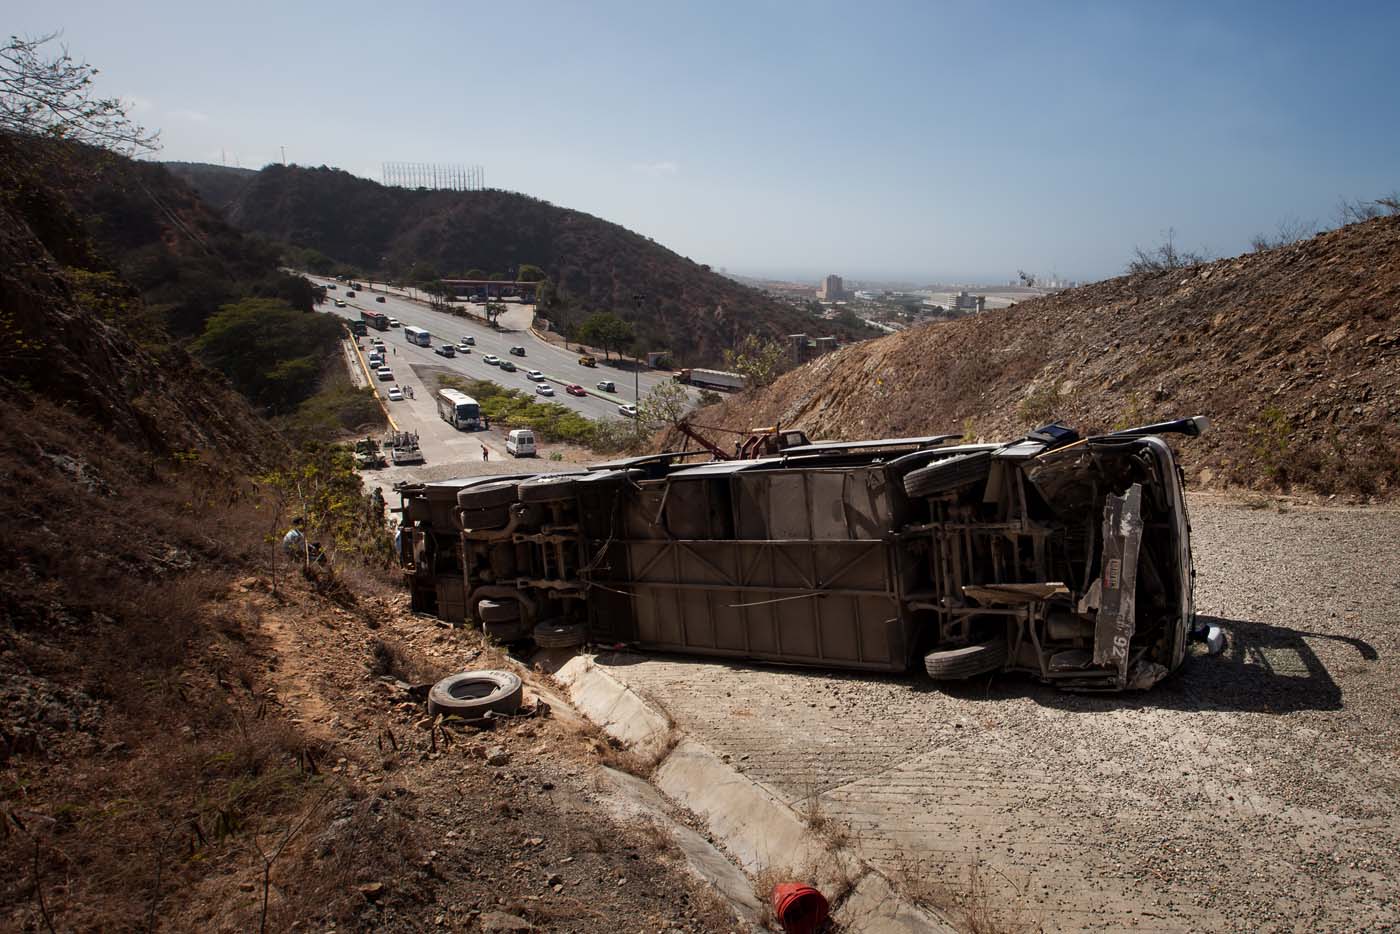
<point x="456" y="396"/>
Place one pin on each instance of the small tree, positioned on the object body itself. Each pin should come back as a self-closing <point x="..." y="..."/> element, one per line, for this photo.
<point x="53" y="97"/>
<point x="606" y="330"/>
<point x="664" y="406"/>
<point x="1165" y="256"/>
<point x="529" y="273"/>
<point x="493" y="311"/>
<point x="758" y="359"/>
<point x="1290" y="230"/>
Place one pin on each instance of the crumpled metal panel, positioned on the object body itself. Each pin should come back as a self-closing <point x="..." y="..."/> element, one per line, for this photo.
<point x="1122" y="539"/>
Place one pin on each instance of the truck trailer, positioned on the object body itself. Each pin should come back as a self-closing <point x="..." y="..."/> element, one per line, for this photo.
<point x="712" y="379"/>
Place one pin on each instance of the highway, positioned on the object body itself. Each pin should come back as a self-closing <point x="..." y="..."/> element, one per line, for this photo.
<point x="559" y="366"/>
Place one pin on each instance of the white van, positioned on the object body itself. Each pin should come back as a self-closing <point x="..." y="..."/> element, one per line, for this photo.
<point x="520" y="443"/>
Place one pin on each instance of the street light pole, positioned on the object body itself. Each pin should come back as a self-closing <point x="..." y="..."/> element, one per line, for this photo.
<point x="639" y="298"/>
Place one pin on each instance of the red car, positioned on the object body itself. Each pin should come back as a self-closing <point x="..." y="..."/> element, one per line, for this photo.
<point x="574" y="389"/>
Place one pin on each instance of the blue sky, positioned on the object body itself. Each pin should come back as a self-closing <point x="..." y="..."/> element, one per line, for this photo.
<point x="921" y="141"/>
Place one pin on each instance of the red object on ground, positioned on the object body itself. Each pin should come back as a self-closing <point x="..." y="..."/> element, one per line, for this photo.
<point x="800" y="908"/>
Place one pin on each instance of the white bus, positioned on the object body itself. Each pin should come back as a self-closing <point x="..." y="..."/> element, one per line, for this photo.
<point x="418" y="336"/>
<point x="459" y="410"/>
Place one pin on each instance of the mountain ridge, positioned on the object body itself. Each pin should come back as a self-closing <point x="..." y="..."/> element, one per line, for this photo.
<point x="592" y="264"/>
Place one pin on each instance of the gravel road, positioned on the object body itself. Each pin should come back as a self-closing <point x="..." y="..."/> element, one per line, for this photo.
<point x="1258" y="790"/>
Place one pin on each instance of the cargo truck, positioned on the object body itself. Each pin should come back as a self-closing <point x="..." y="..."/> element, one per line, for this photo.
<point x="712" y="379"/>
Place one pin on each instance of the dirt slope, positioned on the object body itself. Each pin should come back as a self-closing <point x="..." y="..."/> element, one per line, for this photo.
<point x="1294" y="353"/>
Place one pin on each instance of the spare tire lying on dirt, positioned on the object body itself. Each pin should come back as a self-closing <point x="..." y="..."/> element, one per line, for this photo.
<point x="471" y="694"/>
<point x="950" y="474"/>
<point x="560" y="634"/>
<point x="966" y="662"/>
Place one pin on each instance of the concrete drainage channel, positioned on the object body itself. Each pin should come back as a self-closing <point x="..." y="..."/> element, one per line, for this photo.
<point x="768" y="838"/>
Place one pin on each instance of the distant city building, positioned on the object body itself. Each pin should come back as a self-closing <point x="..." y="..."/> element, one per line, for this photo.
<point x="831" y="289"/>
<point x="965" y="302"/>
<point x="803" y="348"/>
<point x="869" y="295"/>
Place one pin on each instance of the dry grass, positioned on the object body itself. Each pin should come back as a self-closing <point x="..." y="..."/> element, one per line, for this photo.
<point x="977" y="901"/>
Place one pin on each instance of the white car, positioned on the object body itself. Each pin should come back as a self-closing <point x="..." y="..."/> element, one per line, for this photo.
<point x="395" y="394"/>
<point x="627" y="411"/>
<point x="469" y="341"/>
<point x="464" y="347"/>
<point x="393" y="322"/>
<point x="384" y="373"/>
<point x="534" y="375"/>
<point x="491" y="360"/>
<point x="544" y="389"/>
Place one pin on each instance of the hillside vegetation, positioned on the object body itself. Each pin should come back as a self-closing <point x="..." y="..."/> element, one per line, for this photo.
<point x="1294" y="353"/>
<point x="591" y="264"/>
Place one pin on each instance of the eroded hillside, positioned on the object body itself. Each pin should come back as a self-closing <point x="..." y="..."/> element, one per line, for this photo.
<point x="1294" y="353"/>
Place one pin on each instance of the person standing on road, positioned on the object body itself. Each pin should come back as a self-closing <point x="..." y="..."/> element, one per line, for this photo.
<point x="485" y="454"/>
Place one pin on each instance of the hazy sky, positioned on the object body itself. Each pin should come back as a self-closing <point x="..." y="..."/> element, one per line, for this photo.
<point x="948" y="141"/>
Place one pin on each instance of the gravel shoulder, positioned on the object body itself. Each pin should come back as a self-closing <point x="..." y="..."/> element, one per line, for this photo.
<point x="1256" y="790"/>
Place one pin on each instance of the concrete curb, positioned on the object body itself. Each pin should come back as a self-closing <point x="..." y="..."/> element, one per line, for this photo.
<point x="752" y="823"/>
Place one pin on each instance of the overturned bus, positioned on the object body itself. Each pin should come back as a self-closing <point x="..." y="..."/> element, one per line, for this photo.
<point x="1064" y="557"/>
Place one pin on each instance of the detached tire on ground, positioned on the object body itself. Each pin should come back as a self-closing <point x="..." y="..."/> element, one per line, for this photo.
<point x="559" y="634"/>
<point x="966" y="662"/>
<point x="487" y="495"/>
<point x="471" y="694"/>
<point x="947" y="475"/>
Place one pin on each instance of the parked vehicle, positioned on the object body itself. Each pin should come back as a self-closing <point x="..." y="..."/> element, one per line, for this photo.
<point x="607" y="385"/>
<point x="544" y="389"/>
<point x="368" y="456"/>
<point x="520" y="442"/>
<point x="1067" y="558"/>
<point x="588" y="360"/>
<point x="574" y="389"/>
<point x="445" y="350"/>
<point x="403" y="447"/>
<point x="534" y="376"/>
<point x="375" y="360"/>
<point x="459" y="410"/>
<point x="627" y="411"/>
<point x="395" y="394"/>
<point x="384" y="373"/>
<point x="518" y="351"/>
<point x="711" y="379"/>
